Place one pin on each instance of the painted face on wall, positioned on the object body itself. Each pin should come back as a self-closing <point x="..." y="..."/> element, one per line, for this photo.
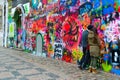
<point x="70" y="34"/>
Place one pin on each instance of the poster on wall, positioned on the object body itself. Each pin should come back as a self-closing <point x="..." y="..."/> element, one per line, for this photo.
<point x="26" y="8"/>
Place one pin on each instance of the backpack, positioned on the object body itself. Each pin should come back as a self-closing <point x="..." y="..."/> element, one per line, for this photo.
<point x="91" y="36"/>
<point x="93" y="44"/>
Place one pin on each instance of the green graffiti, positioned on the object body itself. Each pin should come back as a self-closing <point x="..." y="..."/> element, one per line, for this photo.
<point x="26" y="9"/>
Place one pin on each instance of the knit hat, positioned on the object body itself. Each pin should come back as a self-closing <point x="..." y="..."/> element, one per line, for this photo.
<point x="90" y="27"/>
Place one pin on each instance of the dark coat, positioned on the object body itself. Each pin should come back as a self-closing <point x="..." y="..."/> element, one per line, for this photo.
<point x="84" y="40"/>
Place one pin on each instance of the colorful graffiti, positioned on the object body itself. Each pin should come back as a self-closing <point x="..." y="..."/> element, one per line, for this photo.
<point x="85" y="8"/>
<point x="58" y="50"/>
<point x="61" y="23"/>
<point x="70" y="33"/>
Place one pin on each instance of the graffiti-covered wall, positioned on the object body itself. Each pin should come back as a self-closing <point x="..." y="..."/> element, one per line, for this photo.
<point x="59" y="24"/>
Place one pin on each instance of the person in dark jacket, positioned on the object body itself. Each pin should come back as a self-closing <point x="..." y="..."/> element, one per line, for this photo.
<point x="85" y="61"/>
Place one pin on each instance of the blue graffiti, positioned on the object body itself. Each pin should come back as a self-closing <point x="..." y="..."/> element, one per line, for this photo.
<point x="107" y="2"/>
<point x="108" y="10"/>
<point x="107" y="6"/>
<point x="96" y="3"/>
<point x="63" y="2"/>
<point x="35" y="4"/>
<point x="86" y="7"/>
<point x="68" y="3"/>
<point x="71" y="2"/>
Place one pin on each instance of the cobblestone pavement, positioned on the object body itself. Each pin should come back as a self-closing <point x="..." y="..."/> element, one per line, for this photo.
<point x="19" y="65"/>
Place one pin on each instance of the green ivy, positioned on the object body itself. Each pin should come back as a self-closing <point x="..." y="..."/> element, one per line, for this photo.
<point x="17" y="18"/>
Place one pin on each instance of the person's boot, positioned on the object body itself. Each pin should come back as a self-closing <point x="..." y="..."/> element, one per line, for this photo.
<point x="80" y="67"/>
<point x="90" y="69"/>
<point x="94" y="71"/>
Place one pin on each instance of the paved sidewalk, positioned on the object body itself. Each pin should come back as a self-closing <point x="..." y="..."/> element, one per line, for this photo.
<point x="19" y="65"/>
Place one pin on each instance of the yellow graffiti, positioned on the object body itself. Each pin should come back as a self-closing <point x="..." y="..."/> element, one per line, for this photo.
<point x="50" y="50"/>
<point x="77" y="54"/>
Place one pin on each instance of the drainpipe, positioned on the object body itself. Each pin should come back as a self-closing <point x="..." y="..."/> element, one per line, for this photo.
<point x="2" y="5"/>
<point x="5" y="23"/>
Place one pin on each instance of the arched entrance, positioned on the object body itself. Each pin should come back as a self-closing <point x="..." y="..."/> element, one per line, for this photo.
<point x="18" y="18"/>
<point x="39" y="45"/>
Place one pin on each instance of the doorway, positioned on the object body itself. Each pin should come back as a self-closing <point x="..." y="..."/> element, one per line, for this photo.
<point x="39" y="44"/>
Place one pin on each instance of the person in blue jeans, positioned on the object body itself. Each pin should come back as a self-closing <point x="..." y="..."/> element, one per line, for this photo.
<point x="85" y="61"/>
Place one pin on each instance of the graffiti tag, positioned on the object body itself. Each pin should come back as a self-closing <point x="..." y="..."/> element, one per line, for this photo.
<point x="86" y="7"/>
<point x="58" y="50"/>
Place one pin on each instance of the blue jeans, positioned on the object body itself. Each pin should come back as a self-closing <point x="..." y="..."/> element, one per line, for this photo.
<point x="85" y="59"/>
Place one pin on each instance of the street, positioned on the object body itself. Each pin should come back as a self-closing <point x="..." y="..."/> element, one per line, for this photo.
<point x="19" y="65"/>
